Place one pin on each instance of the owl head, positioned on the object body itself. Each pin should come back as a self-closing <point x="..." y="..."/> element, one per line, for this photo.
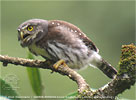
<point x="31" y="31"/>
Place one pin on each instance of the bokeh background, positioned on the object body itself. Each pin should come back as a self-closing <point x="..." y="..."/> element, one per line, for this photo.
<point x="109" y="24"/>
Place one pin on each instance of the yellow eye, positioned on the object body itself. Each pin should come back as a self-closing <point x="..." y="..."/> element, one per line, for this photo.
<point x="30" y="28"/>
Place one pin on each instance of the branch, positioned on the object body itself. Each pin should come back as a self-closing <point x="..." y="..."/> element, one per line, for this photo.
<point x="125" y="77"/>
<point x="82" y="85"/>
<point x="124" y="80"/>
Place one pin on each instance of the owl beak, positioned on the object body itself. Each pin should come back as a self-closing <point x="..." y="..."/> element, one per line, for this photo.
<point x="21" y="35"/>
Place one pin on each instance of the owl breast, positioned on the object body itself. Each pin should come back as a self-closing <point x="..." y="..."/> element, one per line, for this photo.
<point x="36" y="50"/>
<point x="75" y="58"/>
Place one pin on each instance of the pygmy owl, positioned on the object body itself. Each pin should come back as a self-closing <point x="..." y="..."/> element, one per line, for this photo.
<point x="56" y="40"/>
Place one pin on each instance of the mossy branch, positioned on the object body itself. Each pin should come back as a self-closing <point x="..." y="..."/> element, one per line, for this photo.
<point x="124" y="80"/>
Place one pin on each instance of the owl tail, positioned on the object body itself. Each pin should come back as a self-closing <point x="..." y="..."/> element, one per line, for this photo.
<point x="104" y="66"/>
<point x="107" y="69"/>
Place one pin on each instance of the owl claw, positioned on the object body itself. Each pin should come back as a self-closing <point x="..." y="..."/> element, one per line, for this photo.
<point x="48" y="62"/>
<point x="58" y="63"/>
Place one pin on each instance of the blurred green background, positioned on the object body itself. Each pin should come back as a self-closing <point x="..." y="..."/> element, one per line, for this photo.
<point x="109" y="24"/>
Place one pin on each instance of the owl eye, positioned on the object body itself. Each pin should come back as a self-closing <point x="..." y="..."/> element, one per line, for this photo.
<point x="30" y="28"/>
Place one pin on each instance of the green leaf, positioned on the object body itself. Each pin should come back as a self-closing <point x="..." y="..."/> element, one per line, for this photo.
<point x="121" y="98"/>
<point x="35" y="78"/>
<point x="71" y="96"/>
<point x="6" y="90"/>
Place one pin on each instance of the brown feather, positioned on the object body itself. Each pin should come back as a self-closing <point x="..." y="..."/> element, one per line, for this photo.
<point x="75" y="30"/>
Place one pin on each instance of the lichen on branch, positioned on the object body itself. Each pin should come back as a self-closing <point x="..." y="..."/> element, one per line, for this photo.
<point x="127" y="62"/>
<point x="126" y="74"/>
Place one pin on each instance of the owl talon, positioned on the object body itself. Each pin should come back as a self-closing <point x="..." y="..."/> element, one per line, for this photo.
<point x="48" y="62"/>
<point x="52" y="72"/>
<point x="58" y="63"/>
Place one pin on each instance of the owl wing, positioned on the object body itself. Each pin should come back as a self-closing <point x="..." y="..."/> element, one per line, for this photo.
<point x="60" y="26"/>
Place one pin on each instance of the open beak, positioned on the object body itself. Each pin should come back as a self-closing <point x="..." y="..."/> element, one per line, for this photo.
<point x="23" y="38"/>
<point x="22" y="35"/>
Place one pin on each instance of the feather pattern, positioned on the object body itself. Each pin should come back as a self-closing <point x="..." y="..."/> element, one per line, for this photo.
<point x="57" y="40"/>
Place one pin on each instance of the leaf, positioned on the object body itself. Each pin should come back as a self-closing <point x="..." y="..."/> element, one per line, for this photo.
<point x="35" y="78"/>
<point x="7" y="91"/>
<point x="121" y="98"/>
<point x="71" y="96"/>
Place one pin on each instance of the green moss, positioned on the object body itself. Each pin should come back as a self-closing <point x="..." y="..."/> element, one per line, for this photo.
<point x="84" y="95"/>
<point x="128" y="61"/>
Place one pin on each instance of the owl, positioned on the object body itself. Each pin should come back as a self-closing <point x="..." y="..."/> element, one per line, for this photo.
<point x="58" y="40"/>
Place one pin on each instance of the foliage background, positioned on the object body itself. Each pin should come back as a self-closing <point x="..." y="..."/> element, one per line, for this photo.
<point x="109" y="24"/>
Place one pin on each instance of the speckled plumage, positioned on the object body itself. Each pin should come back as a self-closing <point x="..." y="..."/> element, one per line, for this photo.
<point x="57" y="40"/>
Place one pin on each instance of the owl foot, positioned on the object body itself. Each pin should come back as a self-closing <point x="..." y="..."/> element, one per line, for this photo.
<point x="58" y="63"/>
<point x="48" y="62"/>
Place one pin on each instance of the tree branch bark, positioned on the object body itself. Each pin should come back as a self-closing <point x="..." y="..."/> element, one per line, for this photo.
<point x="82" y="85"/>
<point x="124" y="80"/>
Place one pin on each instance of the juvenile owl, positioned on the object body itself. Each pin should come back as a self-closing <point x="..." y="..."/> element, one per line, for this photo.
<point x="56" y="40"/>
